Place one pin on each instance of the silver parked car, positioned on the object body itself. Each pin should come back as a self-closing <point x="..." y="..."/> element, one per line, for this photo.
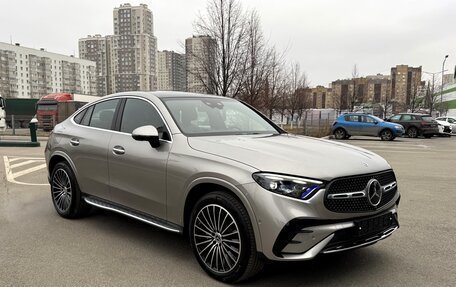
<point x="218" y="171"/>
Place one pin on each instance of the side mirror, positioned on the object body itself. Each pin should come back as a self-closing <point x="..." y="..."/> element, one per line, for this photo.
<point x="375" y="122"/>
<point x="147" y="133"/>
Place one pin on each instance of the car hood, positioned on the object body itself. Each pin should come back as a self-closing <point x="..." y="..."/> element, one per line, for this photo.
<point x="291" y="154"/>
<point x="443" y="123"/>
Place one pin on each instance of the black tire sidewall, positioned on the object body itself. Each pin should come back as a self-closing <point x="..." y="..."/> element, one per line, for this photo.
<point x="75" y="194"/>
<point x="242" y="223"/>
<point x="390" y="133"/>
<point x="411" y="129"/>
<point x="342" y="130"/>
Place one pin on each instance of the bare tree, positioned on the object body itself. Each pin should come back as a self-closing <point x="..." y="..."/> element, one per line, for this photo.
<point x="431" y="95"/>
<point x="226" y="23"/>
<point x="298" y="82"/>
<point x="274" y="85"/>
<point x="257" y="58"/>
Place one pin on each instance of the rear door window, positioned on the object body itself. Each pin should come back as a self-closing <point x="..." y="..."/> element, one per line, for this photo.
<point x="396" y="117"/>
<point x="78" y="118"/>
<point x="86" y="120"/>
<point x="366" y="119"/>
<point x="103" y="114"/>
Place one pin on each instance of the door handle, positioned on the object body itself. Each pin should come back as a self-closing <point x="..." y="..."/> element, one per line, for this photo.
<point x="118" y="150"/>
<point x="74" y="142"/>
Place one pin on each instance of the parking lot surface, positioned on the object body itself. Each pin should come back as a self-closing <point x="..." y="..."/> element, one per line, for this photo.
<point x="39" y="248"/>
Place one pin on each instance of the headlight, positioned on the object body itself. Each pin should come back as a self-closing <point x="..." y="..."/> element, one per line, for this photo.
<point x="296" y="187"/>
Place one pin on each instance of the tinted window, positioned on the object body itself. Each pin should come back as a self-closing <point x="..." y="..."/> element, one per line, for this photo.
<point x="451" y="121"/>
<point x="366" y="119"/>
<point x="138" y="113"/>
<point x="351" y="118"/>
<point x="396" y="117"/>
<point x="428" y="119"/>
<point x="86" y="120"/>
<point x="103" y="113"/>
<point x="78" y="117"/>
<point x="406" y="117"/>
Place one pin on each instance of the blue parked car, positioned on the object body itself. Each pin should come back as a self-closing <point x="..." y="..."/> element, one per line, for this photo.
<point x="348" y="125"/>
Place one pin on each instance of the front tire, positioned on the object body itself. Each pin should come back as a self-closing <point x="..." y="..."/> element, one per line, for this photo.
<point x="65" y="192"/>
<point x="386" y="135"/>
<point x="222" y="238"/>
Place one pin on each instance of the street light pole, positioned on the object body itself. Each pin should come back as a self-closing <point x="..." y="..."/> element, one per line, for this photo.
<point x="441" y="87"/>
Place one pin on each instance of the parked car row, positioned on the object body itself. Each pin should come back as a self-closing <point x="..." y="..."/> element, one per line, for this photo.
<point x="411" y="124"/>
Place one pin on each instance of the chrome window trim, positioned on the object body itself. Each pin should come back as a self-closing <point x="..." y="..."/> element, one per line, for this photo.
<point x="123" y="97"/>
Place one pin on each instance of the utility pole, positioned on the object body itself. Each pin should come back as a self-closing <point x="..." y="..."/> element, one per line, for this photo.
<point x="441" y="87"/>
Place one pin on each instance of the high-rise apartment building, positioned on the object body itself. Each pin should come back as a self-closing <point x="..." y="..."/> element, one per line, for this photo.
<point x="171" y="75"/>
<point x="98" y="49"/>
<point x="32" y="73"/>
<point x="126" y="61"/>
<point x="405" y="83"/>
<point x="200" y="57"/>
<point x="378" y="88"/>
<point x="134" y="49"/>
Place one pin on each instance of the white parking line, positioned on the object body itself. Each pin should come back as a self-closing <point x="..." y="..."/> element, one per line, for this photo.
<point x="11" y="175"/>
<point x="22" y="163"/>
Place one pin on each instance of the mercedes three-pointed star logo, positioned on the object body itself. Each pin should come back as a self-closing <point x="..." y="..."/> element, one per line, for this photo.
<point x="374" y="192"/>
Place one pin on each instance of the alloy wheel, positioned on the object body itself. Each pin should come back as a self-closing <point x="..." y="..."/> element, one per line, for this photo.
<point x="412" y="132"/>
<point x="217" y="238"/>
<point x="61" y="190"/>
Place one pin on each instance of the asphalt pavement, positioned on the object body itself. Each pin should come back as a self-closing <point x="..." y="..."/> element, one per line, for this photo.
<point x="39" y="248"/>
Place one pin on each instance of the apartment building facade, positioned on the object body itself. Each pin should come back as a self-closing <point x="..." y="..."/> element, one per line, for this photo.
<point x="405" y="85"/>
<point x="134" y="49"/>
<point x="98" y="49"/>
<point x="200" y="63"/>
<point x="33" y="73"/>
<point x="171" y="74"/>
<point x="126" y="60"/>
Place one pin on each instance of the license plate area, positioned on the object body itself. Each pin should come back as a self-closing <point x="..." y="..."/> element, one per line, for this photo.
<point x="374" y="225"/>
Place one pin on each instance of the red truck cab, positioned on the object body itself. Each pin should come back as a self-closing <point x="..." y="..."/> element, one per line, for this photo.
<point x="47" y="112"/>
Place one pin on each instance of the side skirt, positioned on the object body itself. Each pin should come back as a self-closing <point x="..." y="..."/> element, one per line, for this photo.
<point x="100" y="203"/>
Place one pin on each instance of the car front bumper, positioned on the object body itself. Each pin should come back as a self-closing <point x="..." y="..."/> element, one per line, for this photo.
<point x="293" y="230"/>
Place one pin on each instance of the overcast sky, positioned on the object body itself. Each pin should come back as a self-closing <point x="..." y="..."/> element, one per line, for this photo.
<point x="327" y="37"/>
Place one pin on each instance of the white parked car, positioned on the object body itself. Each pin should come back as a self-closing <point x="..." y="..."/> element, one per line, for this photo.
<point x="451" y="121"/>
<point x="445" y="128"/>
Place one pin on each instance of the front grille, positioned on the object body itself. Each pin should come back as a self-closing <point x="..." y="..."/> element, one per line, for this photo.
<point x="358" y="183"/>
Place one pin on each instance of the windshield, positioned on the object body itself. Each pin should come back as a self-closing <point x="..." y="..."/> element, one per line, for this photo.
<point x="51" y="107"/>
<point x="377" y="119"/>
<point x="210" y="116"/>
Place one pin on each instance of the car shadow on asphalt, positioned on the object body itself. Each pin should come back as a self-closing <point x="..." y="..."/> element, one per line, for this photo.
<point x="321" y="271"/>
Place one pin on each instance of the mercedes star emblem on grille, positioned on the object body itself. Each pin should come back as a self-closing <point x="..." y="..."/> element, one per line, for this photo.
<point x="374" y="192"/>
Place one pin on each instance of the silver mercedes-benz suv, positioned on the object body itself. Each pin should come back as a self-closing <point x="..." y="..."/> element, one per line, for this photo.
<point x="218" y="171"/>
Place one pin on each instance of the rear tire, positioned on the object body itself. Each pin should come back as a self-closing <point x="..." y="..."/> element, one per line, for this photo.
<point x="222" y="238"/>
<point x="340" y="134"/>
<point x="65" y="192"/>
<point x="412" y="132"/>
